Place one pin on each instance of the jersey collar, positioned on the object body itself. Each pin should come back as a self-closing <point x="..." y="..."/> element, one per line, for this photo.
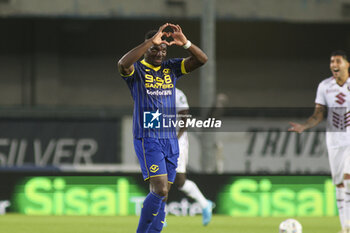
<point x="155" y="68"/>
<point x="334" y="81"/>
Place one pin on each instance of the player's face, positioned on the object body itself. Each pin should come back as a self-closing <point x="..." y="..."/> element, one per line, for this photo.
<point x="156" y="54"/>
<point x="339" y="66"/>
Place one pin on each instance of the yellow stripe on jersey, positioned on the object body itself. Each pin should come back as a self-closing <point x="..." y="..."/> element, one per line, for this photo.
<point x="155" y="68"/>
<point x="157" y="176"/>
<point x="144" y="157"/>
<point x="128" y="75"/>
<point x="183" y="69"/>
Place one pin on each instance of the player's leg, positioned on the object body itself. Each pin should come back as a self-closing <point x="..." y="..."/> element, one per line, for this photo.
<point x="180" y="180"/>
<point x="190" y="189"/>
<point x="338" y="160"/>
<point x="340" y="197"/>
<point x="158" y="222"/>
<point x="171" y="150"/>
<point x="188" y="186"/>
<point x="347" y="188"/>
<point x="153" y="168"/>
<point x="346" y="203"/>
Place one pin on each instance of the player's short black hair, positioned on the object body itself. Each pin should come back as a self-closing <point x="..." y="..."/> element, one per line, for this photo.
<point x="340" y="53"/>
<point x="150" y="34"/>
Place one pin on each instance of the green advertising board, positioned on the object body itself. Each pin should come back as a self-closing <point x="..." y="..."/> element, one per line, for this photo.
<point x="249" y="196"/>
<point x="78" y="195"/>
<point x="278" y="196"/>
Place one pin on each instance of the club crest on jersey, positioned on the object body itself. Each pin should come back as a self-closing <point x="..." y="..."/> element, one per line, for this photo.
<point x="152" y="119"/>
<point x="340" y="98"/>
<point x="154" y="168"/>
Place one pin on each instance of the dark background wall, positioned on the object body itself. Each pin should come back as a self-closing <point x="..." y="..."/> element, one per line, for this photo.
<point x="72" y="62"/>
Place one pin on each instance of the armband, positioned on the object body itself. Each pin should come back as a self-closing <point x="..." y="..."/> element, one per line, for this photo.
<point x="187" y="45"/>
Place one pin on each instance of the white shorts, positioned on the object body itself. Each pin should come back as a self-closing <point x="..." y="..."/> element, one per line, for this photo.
<point x="183" y="157"/>
<point x="339" y="161"/>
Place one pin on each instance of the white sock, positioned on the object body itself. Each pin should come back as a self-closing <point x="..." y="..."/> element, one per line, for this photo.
<point x="191" y="190"/>
<point x="340" y="196"/>
<point x="347" y="203"/>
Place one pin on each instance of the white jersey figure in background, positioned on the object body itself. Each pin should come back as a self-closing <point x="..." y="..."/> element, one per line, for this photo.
<point x="333" y="96"/>
<point x="181" y="181"/>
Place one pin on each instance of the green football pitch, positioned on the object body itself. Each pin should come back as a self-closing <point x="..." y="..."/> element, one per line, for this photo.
<point x="14" y="223"/>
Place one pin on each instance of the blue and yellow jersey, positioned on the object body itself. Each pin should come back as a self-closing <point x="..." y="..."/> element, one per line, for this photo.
<point x="153" y="91"/>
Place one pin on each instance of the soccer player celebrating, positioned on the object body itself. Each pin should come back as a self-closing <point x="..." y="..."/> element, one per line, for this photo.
<point x="334" y="93"/>
<point x="188" y="186"/>
<point x="152" y="85"/>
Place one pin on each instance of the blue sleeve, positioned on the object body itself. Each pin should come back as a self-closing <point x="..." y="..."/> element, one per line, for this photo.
<point x="177" y="65"/>
<point x="131" y="78"/>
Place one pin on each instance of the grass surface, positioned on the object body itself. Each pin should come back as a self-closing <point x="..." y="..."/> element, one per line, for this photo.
<point x="14" y="223"/>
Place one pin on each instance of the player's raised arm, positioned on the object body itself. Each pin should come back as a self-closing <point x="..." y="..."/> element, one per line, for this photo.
<point x="197" y="57"/>
<point x="314" y="120"/>
<point x="125" y="64"/>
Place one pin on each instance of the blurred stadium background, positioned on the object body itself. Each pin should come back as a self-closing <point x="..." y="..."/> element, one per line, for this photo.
<point x="65" y="113"/>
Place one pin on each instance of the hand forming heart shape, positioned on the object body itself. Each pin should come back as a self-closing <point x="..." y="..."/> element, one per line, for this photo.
<point x="177" y="36"/>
